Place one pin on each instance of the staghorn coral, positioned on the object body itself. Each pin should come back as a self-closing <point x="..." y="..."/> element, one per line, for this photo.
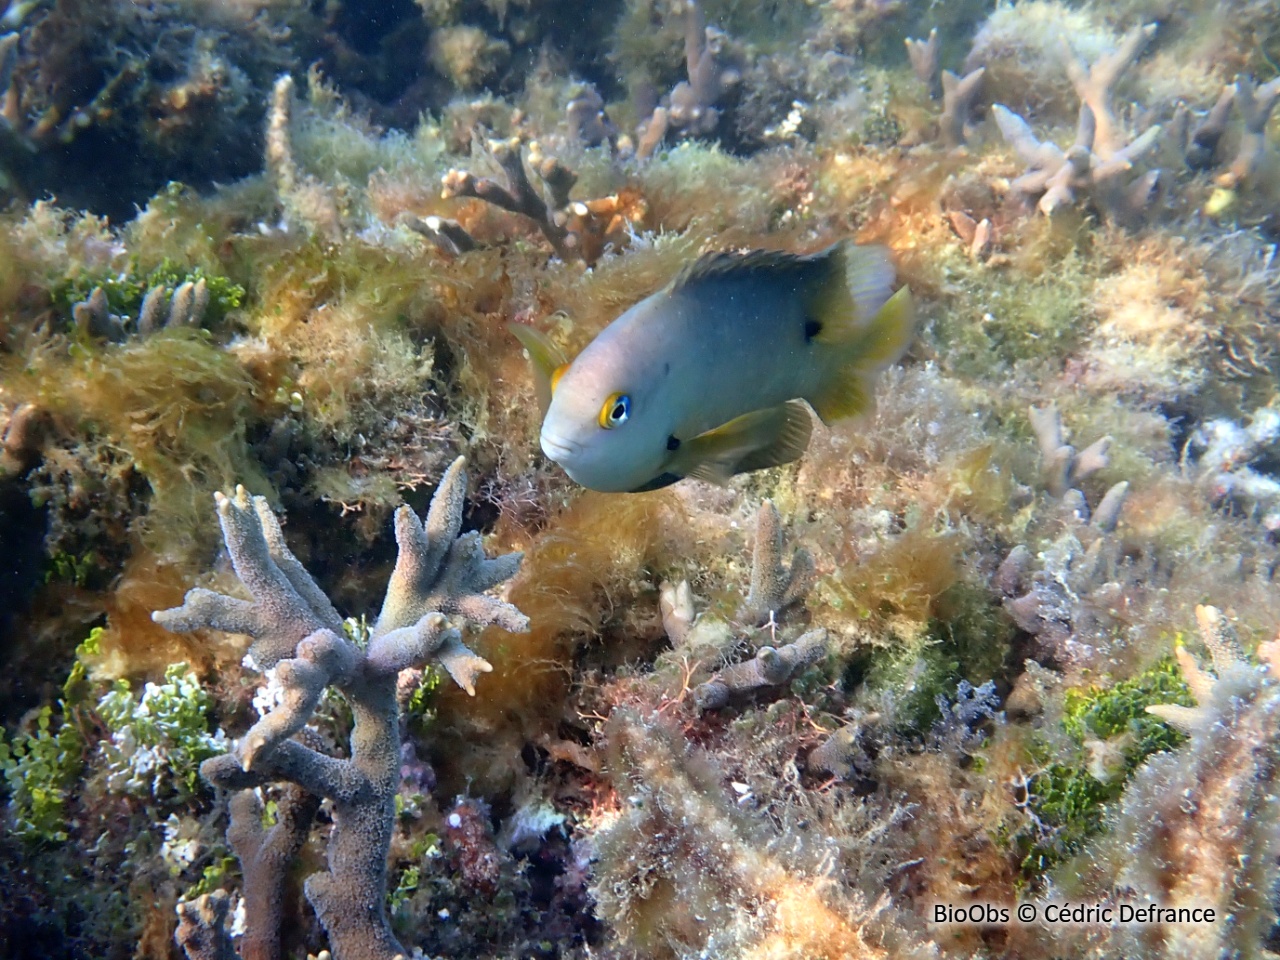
<point x="771" y="667"/>
<point x="1197" y="826"/>
<point x="1254" y="103"/>
<point x="925" y="63"/>
<point x="186" y="306"/>
<point x="1221" y="454"/>
<point x="1058" y="179"/>
<point x="712" y="71"/>
<point x="1095" y="84"/>
<point x="959" y="95"/>
<point x="1096" y="161"/>
<point x="1061" y="467"/>
<point x="1021" y="47"/>
<point x="1066" y="605"/>
<point x="574" y="228"/>
<point x="711" y="881"/>
<point x="692" y="109"/>
<point x="774" y="586"/>
<point x="304" y="198"/>
<point x="296" y="630"/>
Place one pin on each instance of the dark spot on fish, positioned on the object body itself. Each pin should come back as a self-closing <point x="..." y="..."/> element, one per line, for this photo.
<point x="811" y="329"/>
<point x="673" y="442"/>
<point x="666" y="368"/>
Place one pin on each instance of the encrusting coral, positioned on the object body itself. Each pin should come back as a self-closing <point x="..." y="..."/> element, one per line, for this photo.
<point x="297" y="632"/>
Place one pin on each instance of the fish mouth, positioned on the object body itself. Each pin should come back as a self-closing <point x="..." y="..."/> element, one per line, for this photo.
<point x="559" y="450"/>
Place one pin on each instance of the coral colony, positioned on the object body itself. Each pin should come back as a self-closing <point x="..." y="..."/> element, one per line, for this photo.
<point x="989" y="671"/>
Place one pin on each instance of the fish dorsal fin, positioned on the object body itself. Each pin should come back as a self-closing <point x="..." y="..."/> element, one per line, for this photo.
<point x="851" y="388"/>
<point x="549" y="361"/>
<point x="753" y="441"/>
<point x="856" y="287"/>
<point x="732" y="264"/>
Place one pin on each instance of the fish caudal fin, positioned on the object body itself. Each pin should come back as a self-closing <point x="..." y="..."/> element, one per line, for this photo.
<point x="853" y="292"/>
<point x="851" y="388"/>
<point x="548" y="360"/>
<point x="753" y="441"/>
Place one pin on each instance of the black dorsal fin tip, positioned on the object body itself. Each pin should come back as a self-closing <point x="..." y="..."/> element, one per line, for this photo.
<point x="724" y="264"/>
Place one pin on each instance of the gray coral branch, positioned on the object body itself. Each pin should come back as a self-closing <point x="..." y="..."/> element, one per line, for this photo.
<point x="771" y="667"/>
<point x="297" y="631"/>
<point x="775" y="586"/>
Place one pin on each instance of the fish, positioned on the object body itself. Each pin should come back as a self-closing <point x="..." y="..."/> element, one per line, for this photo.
<point x="708" y="378"/>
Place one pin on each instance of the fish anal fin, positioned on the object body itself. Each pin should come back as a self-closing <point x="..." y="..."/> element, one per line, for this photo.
<point x="549" y="361"/>
<point x="753" y="441"/>
<point x="850" y="392"/>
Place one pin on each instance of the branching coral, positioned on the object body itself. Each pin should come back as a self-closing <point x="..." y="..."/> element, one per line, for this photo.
<point x="184" y="307"/>
<point x="1095" y="83"/>
<point x="959" y="94"/>
<point x="1060" y="465"/>
<point x="574" y="228"/>
<point x="712" y="71"/>
<point x="1198" y="826"/>
<point x="1098" y="156"/>
<point x="774" y="586"/>
<point x="297" y="631"/>
<point x="1254" y="104"/>
<point x="1065" y="604"/>
<point x="692" y="108"/>
<point x="706" y="880"/>
<point x="305" y="200"/>
<point x="776" y="589"/>
<point x="925" y="63"/>
<point x="771" y="667"/>
<point x="1058" y="178"/>
<point x="1223" y="453"/>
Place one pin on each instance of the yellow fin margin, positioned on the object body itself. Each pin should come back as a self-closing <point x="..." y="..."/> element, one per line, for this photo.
<point x="851" y="390"/>
<point x="549" y="361"/>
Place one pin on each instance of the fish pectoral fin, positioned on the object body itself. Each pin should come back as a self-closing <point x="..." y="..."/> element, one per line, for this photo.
<point x="789" y="442"/>
<point x="753" y="441"/>
<point x="548" y="360"/>
<point x="851" y="390"/>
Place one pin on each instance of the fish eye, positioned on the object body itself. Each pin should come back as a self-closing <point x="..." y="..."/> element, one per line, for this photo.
<point x="616" y="410"/>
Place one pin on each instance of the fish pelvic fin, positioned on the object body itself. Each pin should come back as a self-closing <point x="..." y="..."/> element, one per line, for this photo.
<point x="548" y="360"/>
<point x="753" y="441"/>
<point x="851" y="387"/>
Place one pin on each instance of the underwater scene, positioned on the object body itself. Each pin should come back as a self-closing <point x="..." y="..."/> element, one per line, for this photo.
<point x="629" y="479"/>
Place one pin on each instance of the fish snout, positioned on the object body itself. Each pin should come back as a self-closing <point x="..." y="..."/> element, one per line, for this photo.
<point x="558" y="449"/>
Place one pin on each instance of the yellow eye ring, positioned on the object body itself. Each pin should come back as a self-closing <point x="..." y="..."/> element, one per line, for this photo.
<point x="616" y="411"/>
